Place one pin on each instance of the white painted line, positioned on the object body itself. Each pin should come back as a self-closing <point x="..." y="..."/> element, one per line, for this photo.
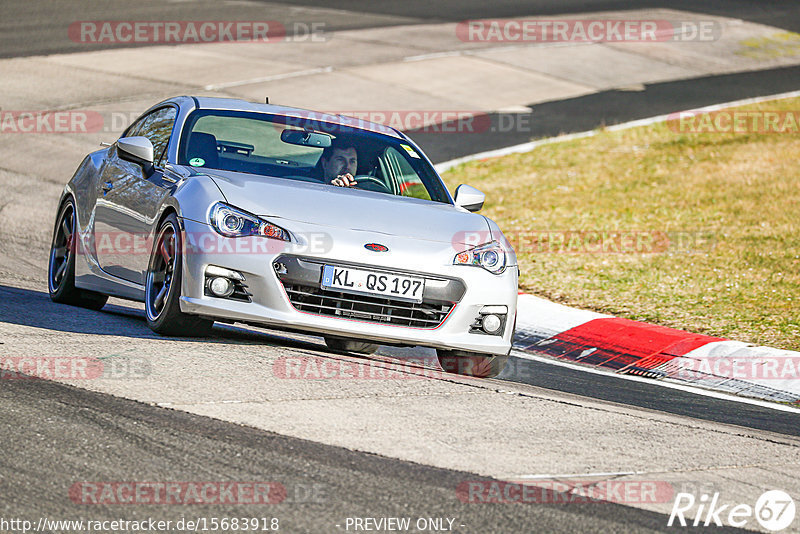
<point x="516" y="149"/>
<point x="581" y="475"/>
<point x="166" y="404"/>
<point x="432" y="55"/>
<point x="514" y="109"/>
<point x="501" y="48"/>
<point x="744" y="102"/>
<point x="527" y="147"/>
<point x="295" y="74"/>
<point x="662" y="383"/>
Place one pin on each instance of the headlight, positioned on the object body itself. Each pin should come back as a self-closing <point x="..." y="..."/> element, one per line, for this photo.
<point x="490" y="256"/>
<point x="232" y="222"/>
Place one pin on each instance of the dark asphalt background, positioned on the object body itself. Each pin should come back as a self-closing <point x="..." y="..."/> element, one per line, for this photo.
<point x="604" y="108"/>
<point x="649" y="396"/>
<point x="35" y="27"/>
<point x="55" y="436"/>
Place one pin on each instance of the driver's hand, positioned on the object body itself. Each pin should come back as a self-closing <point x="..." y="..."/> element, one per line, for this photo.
<point x="344" y="180"/>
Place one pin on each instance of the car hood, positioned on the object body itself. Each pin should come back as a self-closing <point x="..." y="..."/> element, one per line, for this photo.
<point x="353" y="209"/>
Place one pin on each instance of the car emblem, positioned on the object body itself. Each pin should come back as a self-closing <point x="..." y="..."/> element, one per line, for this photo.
<point x="375" y="247"/>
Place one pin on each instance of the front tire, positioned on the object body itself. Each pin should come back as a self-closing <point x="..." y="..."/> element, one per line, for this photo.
<point x="61" y="267"/>
<point x="163" y="286"/>
<point x="350" y="345"/>
<point x="470" y="363"/>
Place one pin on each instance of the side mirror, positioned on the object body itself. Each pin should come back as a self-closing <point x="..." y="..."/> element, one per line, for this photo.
<point x="136" y="149"/>
<point x="469" y="198"/>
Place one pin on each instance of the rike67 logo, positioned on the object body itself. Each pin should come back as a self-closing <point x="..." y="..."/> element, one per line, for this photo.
<point x="774" y="510"/>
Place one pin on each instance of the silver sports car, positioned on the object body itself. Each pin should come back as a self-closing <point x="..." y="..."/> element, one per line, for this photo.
<point x="211" y="209"/>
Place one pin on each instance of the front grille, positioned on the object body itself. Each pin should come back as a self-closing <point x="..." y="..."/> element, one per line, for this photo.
<point x="366" y="308"/>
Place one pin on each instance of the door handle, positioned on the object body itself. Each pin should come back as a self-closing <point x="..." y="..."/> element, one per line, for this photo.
<point x="108" y="186"/>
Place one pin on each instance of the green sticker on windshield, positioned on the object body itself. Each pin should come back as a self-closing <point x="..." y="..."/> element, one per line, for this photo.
<point x="410" y="151"/>
<point x="197" y="162"/>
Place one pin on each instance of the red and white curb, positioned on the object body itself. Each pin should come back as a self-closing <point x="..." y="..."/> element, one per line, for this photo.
<point x="640" y="349"/>
<point x="635" y="348"/>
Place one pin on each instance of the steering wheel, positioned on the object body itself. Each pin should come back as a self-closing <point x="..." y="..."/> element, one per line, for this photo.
<point x="374" y="184"/>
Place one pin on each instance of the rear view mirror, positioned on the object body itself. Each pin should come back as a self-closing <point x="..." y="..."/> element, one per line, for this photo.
<point x="303" y="138"/>
<point x="136" y="149"/>
<point x="469" y="198"/>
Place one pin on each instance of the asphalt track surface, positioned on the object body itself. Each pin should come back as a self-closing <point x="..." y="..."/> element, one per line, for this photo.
<point x="65" y="435"/>
<point x="607" y="108"/>
<point x="121" y="320"/>
<point x="29" y="28"/>
<point x="108" y="438"/>
<point x="56" y="435"/>
<point x="644" y="395"/>
<point x="35" y="27"/>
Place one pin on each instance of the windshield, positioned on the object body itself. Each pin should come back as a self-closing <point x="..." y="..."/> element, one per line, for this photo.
<point x="307" y="150"/>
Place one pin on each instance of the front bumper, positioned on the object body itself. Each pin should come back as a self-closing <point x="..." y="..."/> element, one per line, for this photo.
<point x="461" y="292"/>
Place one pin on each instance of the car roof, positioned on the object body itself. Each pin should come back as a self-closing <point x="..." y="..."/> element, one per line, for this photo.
<point x="235" y="104"/>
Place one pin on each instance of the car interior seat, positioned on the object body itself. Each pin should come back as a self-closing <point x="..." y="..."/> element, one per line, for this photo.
<point x="203" y="146"/>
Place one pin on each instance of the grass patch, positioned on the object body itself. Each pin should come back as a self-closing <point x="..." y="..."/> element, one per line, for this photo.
<point x="775" y="46"/>
<point x="734" y="197"/>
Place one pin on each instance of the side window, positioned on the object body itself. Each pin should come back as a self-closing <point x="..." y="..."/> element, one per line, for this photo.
<point x="406" y="182"/>
<point x="156" y="126"/>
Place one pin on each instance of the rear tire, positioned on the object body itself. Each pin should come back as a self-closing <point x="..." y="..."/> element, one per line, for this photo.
<point x="471" y="363"/>
<point x="350" y="345"/>
<point x="163" y="286"/>
<point x="61" y="267"/>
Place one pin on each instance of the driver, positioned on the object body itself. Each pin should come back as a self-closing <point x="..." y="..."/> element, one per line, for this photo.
<point x="340" y="164"/>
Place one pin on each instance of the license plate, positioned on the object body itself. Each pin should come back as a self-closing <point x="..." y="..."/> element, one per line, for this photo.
<point x="352" y="280"/>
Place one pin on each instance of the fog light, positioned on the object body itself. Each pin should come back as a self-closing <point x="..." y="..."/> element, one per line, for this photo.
<point x="491" y="323"/>
<point x="221" y="287"/>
